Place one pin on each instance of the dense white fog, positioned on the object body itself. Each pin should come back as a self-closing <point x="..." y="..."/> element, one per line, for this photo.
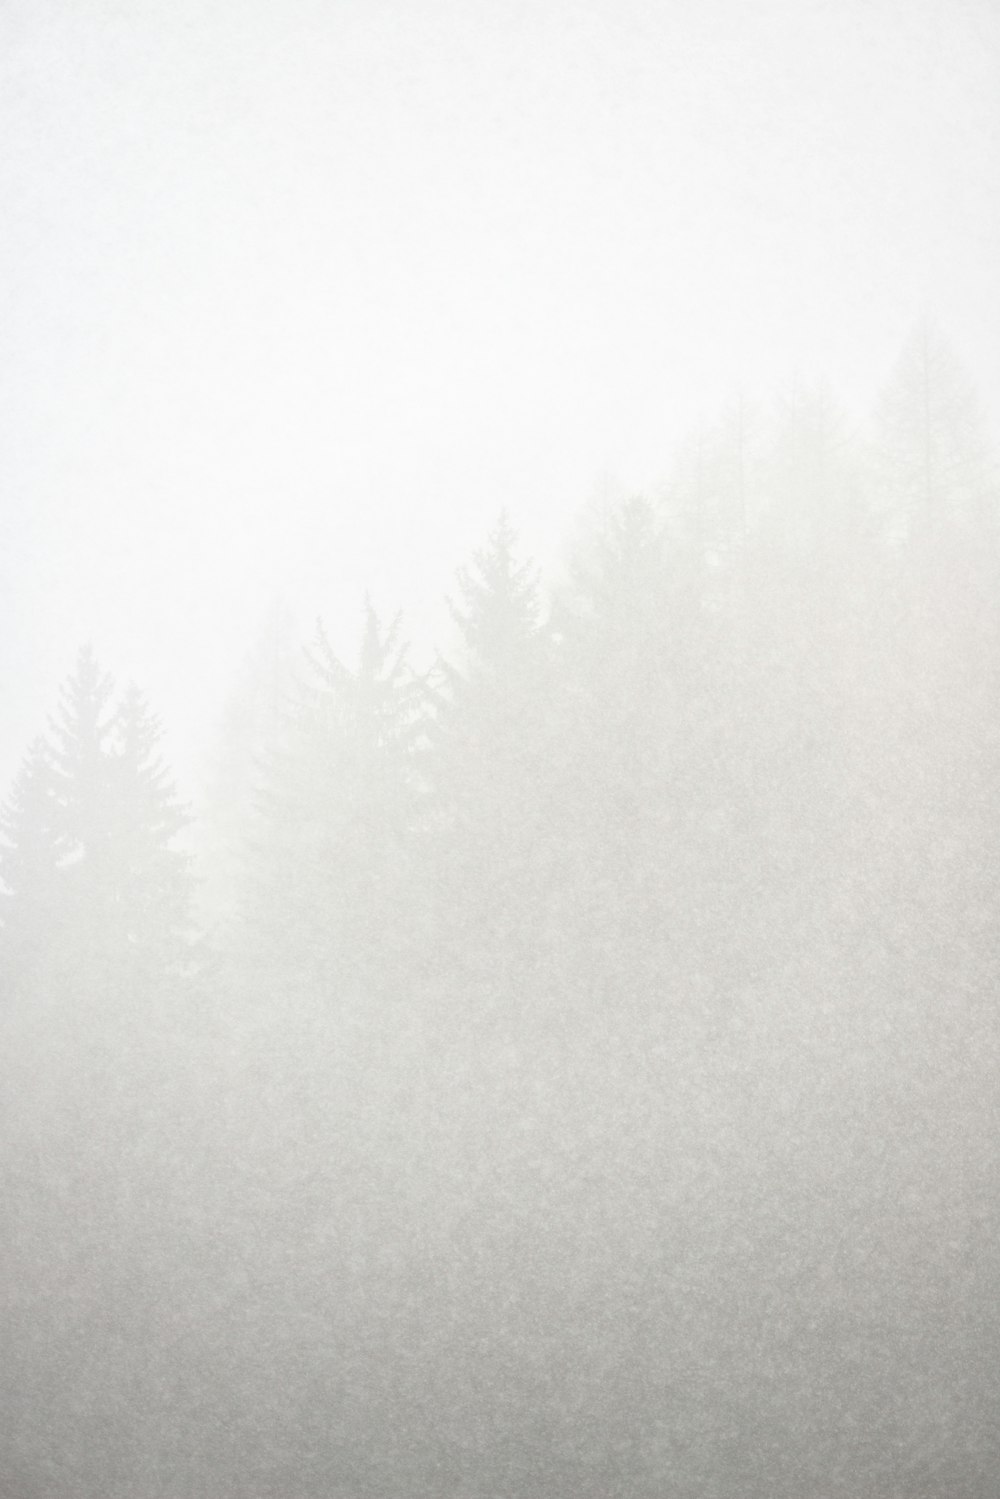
<point x="500" y="750"/>
<point x="296" y="300"/>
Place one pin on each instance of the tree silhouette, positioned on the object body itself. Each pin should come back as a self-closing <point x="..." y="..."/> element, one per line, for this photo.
<point x="150" y="884"/>
<point x="335" y="809"/>
<point x="31" y="854"/>
<point x="90" y="863"/>
<point x="489" y="766"/>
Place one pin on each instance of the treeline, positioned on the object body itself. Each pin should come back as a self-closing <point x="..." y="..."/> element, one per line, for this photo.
<point x="587" y="1082"/>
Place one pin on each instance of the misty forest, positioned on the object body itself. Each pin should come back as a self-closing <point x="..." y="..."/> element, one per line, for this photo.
<point x="565" y="1064"/>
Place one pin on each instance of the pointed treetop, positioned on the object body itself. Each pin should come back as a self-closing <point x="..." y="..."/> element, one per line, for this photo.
<point x="382" y="654"/>
<point x="623" y="564"/>
<point x="90" y="825"/>
<point x="31" y="845"/>
<point x="375" y="704"/>
<point x="500" y="605"/>
<point x="139" y="768"/>
<point x="931" y="453"/>
<point x="83" y="719"/>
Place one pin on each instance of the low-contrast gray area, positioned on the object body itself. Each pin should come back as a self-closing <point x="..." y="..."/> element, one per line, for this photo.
<point x="530" y="1031"/>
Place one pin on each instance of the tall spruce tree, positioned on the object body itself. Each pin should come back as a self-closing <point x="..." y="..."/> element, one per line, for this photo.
<point x="809" y="585"/>
<point x="930" y="462"/>
<point x="633" y="628"/>
<point x="933" y="760"/>
<point x="94" y="880"/>
<point x="489" y="767"/>
<point x="31" y="853"/>
<point x="249" y="727"/>
<point x="82" y="731"/>
<point x="150" y="885"/>
<point x="712" y="497"/>
<point x="323" y="902"/>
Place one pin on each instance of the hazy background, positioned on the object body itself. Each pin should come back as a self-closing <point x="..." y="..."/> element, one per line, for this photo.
<point x="581" y="1080"/>
<point x="293" y="298"/>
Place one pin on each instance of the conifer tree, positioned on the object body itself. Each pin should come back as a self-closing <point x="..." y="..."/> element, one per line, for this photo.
<point x="624" y="703"/>
<point x="499" y="614"/>
<point x="712" y="495"/>
<point x="150" y="884"/>
<point x="249" y="727"/>
<point x="808" y="577"/>
<point x="481" y="701"/>
<point x="336" y="806"/>
<point x="489" y="764"/>
<point x="931" y="469"/>
<point x="932" y="759"/>
<point x="90" y="829"/>
<point x="81" y="732"/>
<point x="31" y="854"/>
<point x="813" y="511"/>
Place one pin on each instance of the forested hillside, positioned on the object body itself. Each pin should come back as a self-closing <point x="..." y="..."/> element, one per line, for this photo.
<point x="571" y="1070"/>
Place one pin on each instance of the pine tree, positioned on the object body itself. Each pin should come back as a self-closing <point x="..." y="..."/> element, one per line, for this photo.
<point x="499" y="615"/>
<point x="931" y="760"/>
<point x="489" y="767"/>
<point x="931" y="469"/>
<point x="810" y="591"/>
<point x="249" y="727"/>
<point x="624" y="707"/>
<point x="323" y="903"/>
<point x="81" y="734"/>
<point x="712" y="495"/>
<point x="813" y="505"/>
<point x="149" y="880"/>
<point x="90" y="830"/>
<point x="479" y="726"/>
<point x="31" y="855"/>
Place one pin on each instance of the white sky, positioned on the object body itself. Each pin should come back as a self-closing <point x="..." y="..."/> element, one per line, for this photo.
<point x="296" y="295"/>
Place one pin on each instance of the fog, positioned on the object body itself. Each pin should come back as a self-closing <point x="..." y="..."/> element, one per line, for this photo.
<point x="296" y="303"/>
<point x="505" y="1002"/>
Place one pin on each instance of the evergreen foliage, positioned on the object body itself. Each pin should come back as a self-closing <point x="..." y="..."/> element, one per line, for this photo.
<point x="30" y="857"/>
<point x="489" y="764"/>
<point x="335" y="807"/>
<point x="94" y="882"/>
<point x="250" y="722"/>
<point x="597" y="1091"/>
<point x="931" y="464"/>
<point x="150" y="886"/>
